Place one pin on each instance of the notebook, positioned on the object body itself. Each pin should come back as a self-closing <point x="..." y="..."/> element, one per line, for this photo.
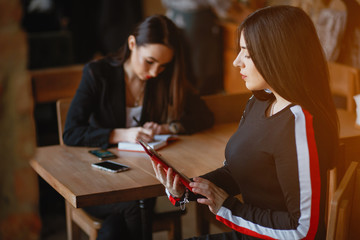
<point x="160" y="141"/>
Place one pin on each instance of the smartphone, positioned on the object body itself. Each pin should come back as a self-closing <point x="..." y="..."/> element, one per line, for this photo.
<point x="110" y="166"/>
<point x="157" y="158"/>
<point x="103" y="154"/>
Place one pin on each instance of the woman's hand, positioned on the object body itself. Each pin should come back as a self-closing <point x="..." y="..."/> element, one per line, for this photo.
<point x="157" y="128"/>
<point x="131" y="135"/>
<point x="215" y="196"/>
<point x="171" y="183"/>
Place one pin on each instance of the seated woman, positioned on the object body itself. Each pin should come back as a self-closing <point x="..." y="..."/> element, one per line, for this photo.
<point x="145" y="80"/>
<point x="286" y="140"/>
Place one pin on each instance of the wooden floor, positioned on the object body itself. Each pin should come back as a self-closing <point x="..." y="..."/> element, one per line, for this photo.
<point x="56" y="230"/>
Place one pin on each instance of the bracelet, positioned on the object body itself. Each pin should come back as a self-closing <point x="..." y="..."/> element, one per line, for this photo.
<point x="185" y="201"/>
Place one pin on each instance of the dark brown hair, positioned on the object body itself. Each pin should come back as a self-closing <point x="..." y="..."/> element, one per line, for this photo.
<point x="284" y="46"/>
<point x="164" y="94"/>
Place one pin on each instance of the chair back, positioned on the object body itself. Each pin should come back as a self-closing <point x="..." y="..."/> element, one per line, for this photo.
<point x="344" y="82"/>
<point x="227" y="107"/>
<point x="51" y="84"/>
<point x="62" y="107"/>
<point x="331" y="188"/>
<point x="345" y="207"/>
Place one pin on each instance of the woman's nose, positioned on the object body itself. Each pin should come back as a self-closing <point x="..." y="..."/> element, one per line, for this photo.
<point x="237" y="62"/>
<point x="153" y="72"/>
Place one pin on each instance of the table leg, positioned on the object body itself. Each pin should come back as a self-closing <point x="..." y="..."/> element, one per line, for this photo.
<point x="146" y="227"/>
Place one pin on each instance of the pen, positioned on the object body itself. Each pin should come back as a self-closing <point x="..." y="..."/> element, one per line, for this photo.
<point x="137" y="121"/>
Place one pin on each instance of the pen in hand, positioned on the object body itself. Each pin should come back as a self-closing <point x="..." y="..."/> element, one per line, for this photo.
<point x="137" y="121"/>
<point x="139" y="124"/>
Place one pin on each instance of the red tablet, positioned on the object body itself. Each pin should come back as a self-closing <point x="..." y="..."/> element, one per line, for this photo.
<point x="157" y="158"/>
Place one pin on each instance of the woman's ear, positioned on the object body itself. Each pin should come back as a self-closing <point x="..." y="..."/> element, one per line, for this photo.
<point x="131" y="42"/>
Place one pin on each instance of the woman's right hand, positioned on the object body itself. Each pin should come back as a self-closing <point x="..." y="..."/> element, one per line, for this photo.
<point x="171" y="183"/>
<point x="131" y="135"/>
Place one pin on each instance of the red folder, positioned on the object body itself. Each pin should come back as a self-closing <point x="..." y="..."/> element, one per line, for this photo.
<point x="157" y="158"/>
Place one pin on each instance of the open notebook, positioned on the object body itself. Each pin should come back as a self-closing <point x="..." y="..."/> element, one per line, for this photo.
<point x="160" y="141"/>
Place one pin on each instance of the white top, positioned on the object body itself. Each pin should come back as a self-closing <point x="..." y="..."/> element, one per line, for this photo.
<point x="132" y="112"/>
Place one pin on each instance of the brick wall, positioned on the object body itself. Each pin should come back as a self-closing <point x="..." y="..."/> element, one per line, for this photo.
<point x="19" y="218"/>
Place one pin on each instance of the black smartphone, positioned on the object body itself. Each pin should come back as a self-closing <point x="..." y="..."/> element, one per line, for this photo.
<point x="103" y="154"/>
<point x="110" y="166"/>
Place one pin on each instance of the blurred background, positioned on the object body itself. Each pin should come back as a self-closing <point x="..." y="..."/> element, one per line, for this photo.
<point x="43" y="34"/>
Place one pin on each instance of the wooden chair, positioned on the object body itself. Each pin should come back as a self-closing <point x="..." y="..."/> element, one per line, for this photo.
<point x="51" y="84"/>
<point x="227" y="107"/>
<point x="331" y="188"/>
<point x="77" y="218"/>
<point x="345" y="207"/>
<point x="333" y="176"/>
<point x="62" y="107"/>
<point x="344" y="83"/>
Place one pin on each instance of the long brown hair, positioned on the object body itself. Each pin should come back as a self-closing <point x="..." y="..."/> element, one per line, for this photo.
<point x="285" y="48"/>
<point x="164" y="94"/>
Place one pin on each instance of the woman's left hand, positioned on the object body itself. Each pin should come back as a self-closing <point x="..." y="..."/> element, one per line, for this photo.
<point x="215" y="196"/>
<point x="157" y="128"/>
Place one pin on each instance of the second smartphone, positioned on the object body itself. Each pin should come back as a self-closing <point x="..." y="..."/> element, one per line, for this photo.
<point x="103" y="154"/>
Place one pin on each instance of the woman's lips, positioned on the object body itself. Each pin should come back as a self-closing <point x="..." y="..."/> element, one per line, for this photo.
<point x="243" y="76"/>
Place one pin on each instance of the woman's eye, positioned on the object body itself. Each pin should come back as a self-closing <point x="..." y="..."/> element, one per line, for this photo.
<point x="149" y="62"/>
<point x="245" y="54"/>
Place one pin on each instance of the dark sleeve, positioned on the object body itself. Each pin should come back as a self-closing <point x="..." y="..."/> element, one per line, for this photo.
<point x="78" y="131"/>
<point x="222" y="178"/>
<point x="196" y="116"/>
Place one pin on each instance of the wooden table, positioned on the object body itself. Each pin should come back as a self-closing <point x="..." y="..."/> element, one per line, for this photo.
<point x="68" y="169"/>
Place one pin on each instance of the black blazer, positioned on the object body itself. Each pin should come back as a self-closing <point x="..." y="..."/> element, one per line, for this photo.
<point x="99" y="106"/>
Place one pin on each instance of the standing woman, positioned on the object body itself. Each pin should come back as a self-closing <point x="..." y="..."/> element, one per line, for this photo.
<point x="145" y="82"/>
<point x="286" y="140"/>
